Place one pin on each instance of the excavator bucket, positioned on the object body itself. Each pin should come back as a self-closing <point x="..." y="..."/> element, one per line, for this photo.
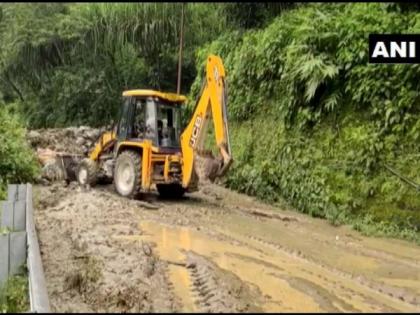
<point x="212" y="167"/>
<point x="208" y="167"/>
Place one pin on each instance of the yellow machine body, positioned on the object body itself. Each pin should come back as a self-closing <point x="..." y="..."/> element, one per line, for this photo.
<point x="177" y="167"/>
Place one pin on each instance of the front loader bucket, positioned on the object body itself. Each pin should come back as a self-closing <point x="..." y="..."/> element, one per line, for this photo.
<point x="69" y="163"/>
<point x="58" y="165"/>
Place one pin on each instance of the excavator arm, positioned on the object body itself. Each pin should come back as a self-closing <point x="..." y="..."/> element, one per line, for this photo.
<point x="211" y="103"/>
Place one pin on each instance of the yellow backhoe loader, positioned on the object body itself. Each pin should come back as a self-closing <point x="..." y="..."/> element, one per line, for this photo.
<point x="147" y="148"/>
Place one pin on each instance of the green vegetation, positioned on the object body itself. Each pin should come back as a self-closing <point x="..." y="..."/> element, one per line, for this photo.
<point x="14" y="296"/>
<point x="326" y="123"/>
<point x="82" y="56"/>
<point x="17" y="160"/>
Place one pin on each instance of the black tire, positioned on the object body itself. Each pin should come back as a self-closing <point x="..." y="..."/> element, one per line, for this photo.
<point x="170" y="191"/>
<point x="87" y="172"/>
<point x="128" y="162"/>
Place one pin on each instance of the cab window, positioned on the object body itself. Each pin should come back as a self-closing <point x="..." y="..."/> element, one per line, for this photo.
<point x="168" y="125"/>
<point x="139" y="123"/>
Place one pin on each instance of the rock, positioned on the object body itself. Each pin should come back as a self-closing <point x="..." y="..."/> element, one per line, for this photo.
<point x="69" y="132"/>
<point x="149" y="268"/>
<point x="147" y="205"/>
<point x="34" y="134"/>
<point x="92" y="134"/>
<point x="43" y="181"/>
<point x="191" y="265"/>
<point x="73" y="185"/>
<point x="147" y="250"/>
<point x="80" y="141"/>
<point x="82" y="129"/>
<point x="34" y="138"/>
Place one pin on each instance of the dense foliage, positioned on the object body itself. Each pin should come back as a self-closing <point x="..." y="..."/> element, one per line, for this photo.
<point x="82" y="56"/>
<point x="328" y="122"/>
<point x="17" y="160"/>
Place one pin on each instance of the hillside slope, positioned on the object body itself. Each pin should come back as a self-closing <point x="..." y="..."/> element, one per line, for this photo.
<point x="327" y="127"/>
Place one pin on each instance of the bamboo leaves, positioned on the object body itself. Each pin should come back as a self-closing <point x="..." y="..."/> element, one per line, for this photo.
<point x="113" y="45"/>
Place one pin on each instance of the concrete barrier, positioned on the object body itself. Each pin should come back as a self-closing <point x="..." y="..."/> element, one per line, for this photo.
<point x="13" y="216"/>
<point x="4" y="258"/>
<point x="12" y="254"/>
<point x="19" y="244"/>
<point x="38" y="294"/>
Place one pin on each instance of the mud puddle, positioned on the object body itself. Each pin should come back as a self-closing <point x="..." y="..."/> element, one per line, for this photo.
<point x="280" y="282"/>
<point x="187" y="251"/>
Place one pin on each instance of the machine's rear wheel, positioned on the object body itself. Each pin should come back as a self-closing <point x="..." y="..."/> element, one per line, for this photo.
<point x="170" y="191"/>
<point x="87" y="172"/>
<point x="127" y="173"/>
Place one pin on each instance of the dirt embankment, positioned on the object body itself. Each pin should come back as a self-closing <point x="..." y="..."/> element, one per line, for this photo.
<point x="212" y="251"/>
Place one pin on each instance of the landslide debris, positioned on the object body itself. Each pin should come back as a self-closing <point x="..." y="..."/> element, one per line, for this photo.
<point x="73" y="140"/>
<point x="51" y="144"/>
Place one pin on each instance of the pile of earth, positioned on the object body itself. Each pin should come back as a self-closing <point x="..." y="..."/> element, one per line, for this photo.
<point x="51" y="144"/>
<point x="73" y="140"/>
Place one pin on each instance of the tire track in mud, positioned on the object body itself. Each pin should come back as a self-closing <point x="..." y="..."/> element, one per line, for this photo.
<point x="358" y="249"/>
<point x="347" y="246"/>
<point x="216" y="290"/>
<point x="215" y="276"/>
<point x="396" y="293"/>
<point x="322" y="296"/>
<point x="312" y="289"/>
<point x="208" y="288"/>
<point x="381" y="288"/>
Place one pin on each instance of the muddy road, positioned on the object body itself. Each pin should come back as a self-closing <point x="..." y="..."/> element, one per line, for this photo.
<point x="213" y="251"/>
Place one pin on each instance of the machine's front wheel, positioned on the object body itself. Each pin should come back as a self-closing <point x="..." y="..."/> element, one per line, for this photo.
<point x="87" y="172"/>
<point x="127" y="173"/>
<point x="170" y="191"/>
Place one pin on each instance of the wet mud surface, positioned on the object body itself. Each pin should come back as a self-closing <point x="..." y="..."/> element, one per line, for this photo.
<point x="212" y="251"/>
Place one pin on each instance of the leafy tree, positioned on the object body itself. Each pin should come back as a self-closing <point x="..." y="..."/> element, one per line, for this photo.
<point x="82" y="56"/>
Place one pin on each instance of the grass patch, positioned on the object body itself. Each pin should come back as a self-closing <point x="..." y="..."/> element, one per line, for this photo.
<point x="14" y="295"/>
<point x="367" y="226"/>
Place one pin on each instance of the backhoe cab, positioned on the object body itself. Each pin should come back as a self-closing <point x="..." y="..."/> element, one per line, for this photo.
<point x="147" y="148"/>
<point x="151" y="115"/>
